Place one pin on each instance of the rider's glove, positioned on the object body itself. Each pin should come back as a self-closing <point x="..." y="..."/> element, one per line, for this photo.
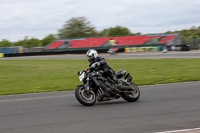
<point x="100" y="72"/>
<point x="95" y="64"/>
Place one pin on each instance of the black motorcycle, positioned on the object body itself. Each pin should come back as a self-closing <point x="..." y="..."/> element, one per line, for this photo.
<point x="98" y="87"/>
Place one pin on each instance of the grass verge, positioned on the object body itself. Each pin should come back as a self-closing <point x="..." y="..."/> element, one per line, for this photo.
<point x="32" y="76"/>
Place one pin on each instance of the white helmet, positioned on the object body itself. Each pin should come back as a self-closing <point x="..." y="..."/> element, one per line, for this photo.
<point x="92" y="54"/>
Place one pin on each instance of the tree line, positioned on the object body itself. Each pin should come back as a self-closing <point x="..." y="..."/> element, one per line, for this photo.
<point x="29" y="43"/>
<point x="81" y="27"/>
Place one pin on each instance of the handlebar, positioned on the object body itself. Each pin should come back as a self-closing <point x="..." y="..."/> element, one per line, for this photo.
<point x="97" y="72"/>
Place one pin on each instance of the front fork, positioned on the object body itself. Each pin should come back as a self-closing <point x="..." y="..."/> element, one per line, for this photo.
<point x="86" y="86"/>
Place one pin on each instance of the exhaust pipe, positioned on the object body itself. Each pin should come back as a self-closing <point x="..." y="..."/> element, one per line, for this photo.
<point x="126" y="88"/>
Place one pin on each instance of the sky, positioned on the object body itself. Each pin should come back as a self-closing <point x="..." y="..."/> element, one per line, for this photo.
<point x="39" y="18"/>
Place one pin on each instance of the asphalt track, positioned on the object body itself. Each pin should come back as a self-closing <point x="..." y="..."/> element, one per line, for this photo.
<point x="160" y="108"/>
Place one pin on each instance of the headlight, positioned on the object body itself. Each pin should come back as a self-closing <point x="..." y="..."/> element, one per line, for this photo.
<point x="81" y="77"/>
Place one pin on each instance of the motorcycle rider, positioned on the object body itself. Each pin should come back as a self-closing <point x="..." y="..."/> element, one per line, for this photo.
<point x="99" y="63"/>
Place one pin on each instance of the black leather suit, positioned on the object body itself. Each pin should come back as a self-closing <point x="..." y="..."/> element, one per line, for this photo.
<point x="103" y="65"/>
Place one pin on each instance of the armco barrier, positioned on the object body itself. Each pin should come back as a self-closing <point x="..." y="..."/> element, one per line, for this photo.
<point x="143" y="49"/>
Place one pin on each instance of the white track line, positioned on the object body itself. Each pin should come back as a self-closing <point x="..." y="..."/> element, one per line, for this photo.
<point x="183" y="130"/>
<point x="33" y="98"/>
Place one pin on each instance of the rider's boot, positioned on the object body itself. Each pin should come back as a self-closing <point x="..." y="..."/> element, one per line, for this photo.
<point x="119" y="84"/>
<point x="116" y="91"/>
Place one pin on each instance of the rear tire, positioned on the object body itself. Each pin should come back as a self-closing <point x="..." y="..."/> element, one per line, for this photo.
<point x="132" y="96"/>
<point x="84" y="98"/>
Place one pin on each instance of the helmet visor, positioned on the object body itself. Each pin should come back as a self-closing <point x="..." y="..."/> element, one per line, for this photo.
<point x="89" y="57"/>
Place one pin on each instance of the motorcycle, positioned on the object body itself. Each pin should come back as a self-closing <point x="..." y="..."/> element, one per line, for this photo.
<point x="98" y="87"/>
<point x="113" y="51"/>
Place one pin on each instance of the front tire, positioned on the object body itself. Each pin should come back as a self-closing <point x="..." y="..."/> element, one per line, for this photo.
<point x="132" y="96"/>
<point x="84" y="98"/>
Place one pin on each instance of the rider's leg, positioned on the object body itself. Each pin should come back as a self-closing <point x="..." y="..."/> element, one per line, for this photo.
<point x="111" y="74"/>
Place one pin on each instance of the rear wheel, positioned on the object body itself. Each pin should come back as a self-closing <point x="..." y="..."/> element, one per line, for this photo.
<point x="133" y="95"/>
<point x="87" y="99"/>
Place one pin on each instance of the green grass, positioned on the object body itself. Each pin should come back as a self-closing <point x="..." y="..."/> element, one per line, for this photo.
<point x="30" y="76"/>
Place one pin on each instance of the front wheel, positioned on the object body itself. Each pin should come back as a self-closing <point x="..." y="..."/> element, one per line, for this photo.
<point x="87" y="99"/>
<point x="133" y="95"/>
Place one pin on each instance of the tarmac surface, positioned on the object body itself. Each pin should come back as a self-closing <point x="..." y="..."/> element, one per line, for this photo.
<point x="160" y="108"/>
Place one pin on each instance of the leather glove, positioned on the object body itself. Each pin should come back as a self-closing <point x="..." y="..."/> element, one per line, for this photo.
<point x="95" y="64"/>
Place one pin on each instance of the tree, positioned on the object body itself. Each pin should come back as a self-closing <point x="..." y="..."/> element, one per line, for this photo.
<point x="5" y="43"/>
<point x="34" y="42"/>
<point x="48" y="39"/>
<point x="116" y="31"/>
<point x="28" y="43"/>
<point x="104" y="33"/>
<point x="76" y="28"/>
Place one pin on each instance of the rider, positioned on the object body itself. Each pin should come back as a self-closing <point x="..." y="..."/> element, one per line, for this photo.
<point x="99" y="63"/>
